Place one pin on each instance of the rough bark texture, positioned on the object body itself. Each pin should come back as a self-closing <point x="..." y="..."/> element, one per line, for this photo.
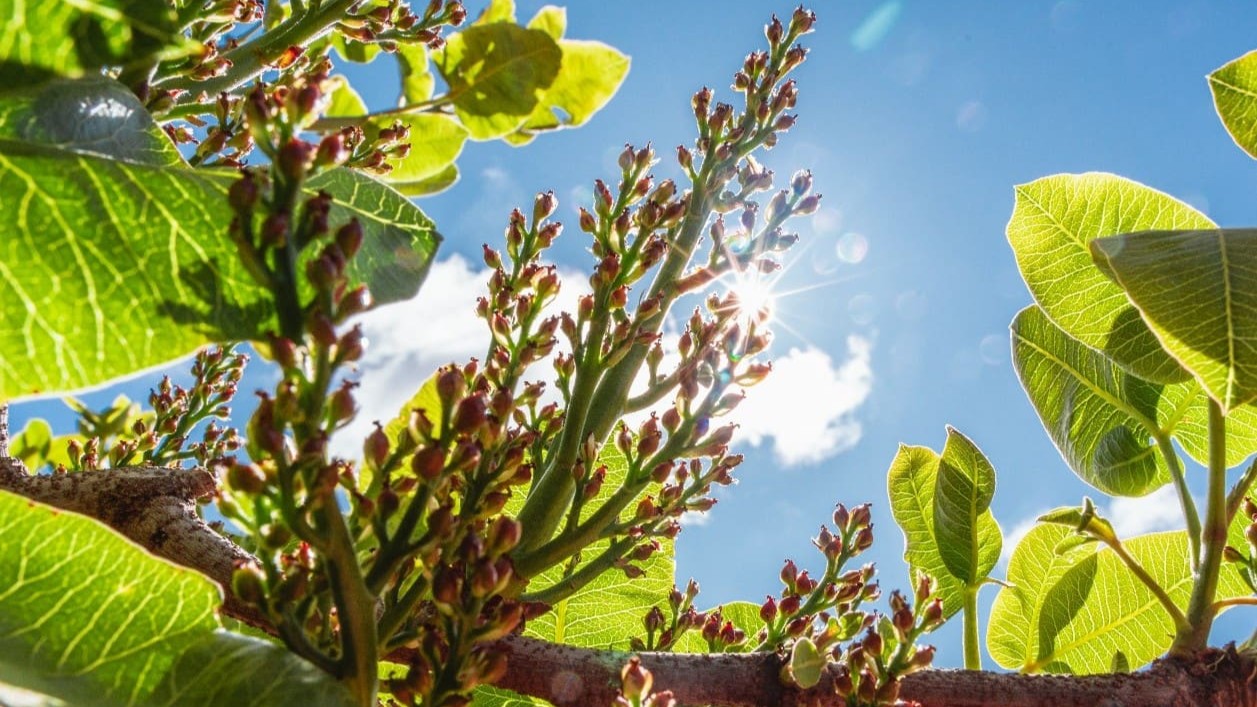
<point x="155" y="507"/>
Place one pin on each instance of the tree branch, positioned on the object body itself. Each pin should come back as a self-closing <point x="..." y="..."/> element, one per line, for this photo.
<point x="155" y="507"/>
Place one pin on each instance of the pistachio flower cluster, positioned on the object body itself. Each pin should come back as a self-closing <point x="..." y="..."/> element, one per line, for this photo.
<point x="226" y="116"/>
<point x="123" y="435"/>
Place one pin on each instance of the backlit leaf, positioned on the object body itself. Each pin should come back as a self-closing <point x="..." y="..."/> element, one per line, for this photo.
<point x="1234" y="88"/>
<point x="913" y="482"/>
<point x="1053" y="221"/>
<point x="118" y="256"/>
<point x="497" y="74"/>
<point x="967" y="535"/>
<point x="1084" y="611"/>
<point x="40" y="41"/>
<point x="86" y="615"/>
<point x="607" y="612"/>
<point x="1196" y="290"/>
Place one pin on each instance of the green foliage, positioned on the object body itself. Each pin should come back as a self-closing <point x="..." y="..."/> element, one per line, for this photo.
<point x="497" y="74"/>
<point x="157" y="278"/>
<point x="1234" y="88"/>
<point x="1054" y="219"/>
<point x="1082" y="611"/>
<point x="90" y="618"/>
<point x="1140" y="336"/>
<point x="1194" y="289"/>
<point x="941" y="503"/>
<point x="40" y="41"/>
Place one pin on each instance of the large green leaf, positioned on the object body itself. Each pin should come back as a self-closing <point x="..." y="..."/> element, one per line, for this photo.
<point x="1053" y="220"/>
<point x="1084" y="612"/>
<point x="1106" y="421"/>
<point x="913" y="481"/>
<point x="497" y="74"/>
<point x="589" y="75"/>
<point x="1197" y="291"/>
<point x="118" y="257"/>
<point x="87" y="616"/>
<point x="968" y="537"/>
<point x="1234" y="87"/>
<point x="43" y="40"/>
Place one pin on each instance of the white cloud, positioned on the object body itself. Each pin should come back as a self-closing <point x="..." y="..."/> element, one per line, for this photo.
<point x="1155" y="512"/>
<point x="807" y="404"/>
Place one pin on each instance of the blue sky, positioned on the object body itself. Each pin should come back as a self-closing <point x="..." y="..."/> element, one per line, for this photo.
<point x="917" y="119"/>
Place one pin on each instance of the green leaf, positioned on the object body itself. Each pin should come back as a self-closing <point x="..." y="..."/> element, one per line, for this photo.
<point x="435" y="143"/>
<point x="33" y="444"/>
<point x="963" y="526"/>
<point x="590" y="74"/>
<point x="1084" y="611"/>
<point x="497" y="11"/>
<point x="357" y="52"/>
<point x="1194" y="288"/>
<point x="93" y="116"/>
<point x="550" y="19"/>
<point x="608" y="611"/>
<point x="417" y="79"/>
<point x="137" y="245"/>
<point x="1234" y="87"/>
<point x="1053" y="221"/>
<point x="399" y="240"/>
<point x="345" y="101"/>
<point x="87" y="616"/>
<point x="435" y="184"/>
<point x="497" y="74"/>
<point x="40" y="41"/>
<point x="225" y="668"/>
<point x="913" y="480"/>
<point x="742" y="614"/>
<point x="1104" y="420"/>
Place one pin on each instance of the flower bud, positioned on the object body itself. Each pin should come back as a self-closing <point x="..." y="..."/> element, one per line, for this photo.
<point x="543" y="206"/>
<point x="248" y="583"/>
<point x="246" y="478"/>
<point x="294" y="158"/>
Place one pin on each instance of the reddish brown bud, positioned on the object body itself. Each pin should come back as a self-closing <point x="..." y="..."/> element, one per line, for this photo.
<point x="428" y="462"/>
<point x="246" y="478"/>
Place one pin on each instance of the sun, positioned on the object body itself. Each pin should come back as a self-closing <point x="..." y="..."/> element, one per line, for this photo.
<point x="756" y="296"/>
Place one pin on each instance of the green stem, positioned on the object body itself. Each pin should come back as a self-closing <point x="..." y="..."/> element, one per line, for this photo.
<point x="972" y="649"/>
<point x="550" y="495"/>
<point x="251" y="59"/>
<point x="355" y="609"/>
<point x="1200" y="608"/>
<point x="1176" y="615"/>
<point x="1190" y="515"/>
<point x="596" y="568"/>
